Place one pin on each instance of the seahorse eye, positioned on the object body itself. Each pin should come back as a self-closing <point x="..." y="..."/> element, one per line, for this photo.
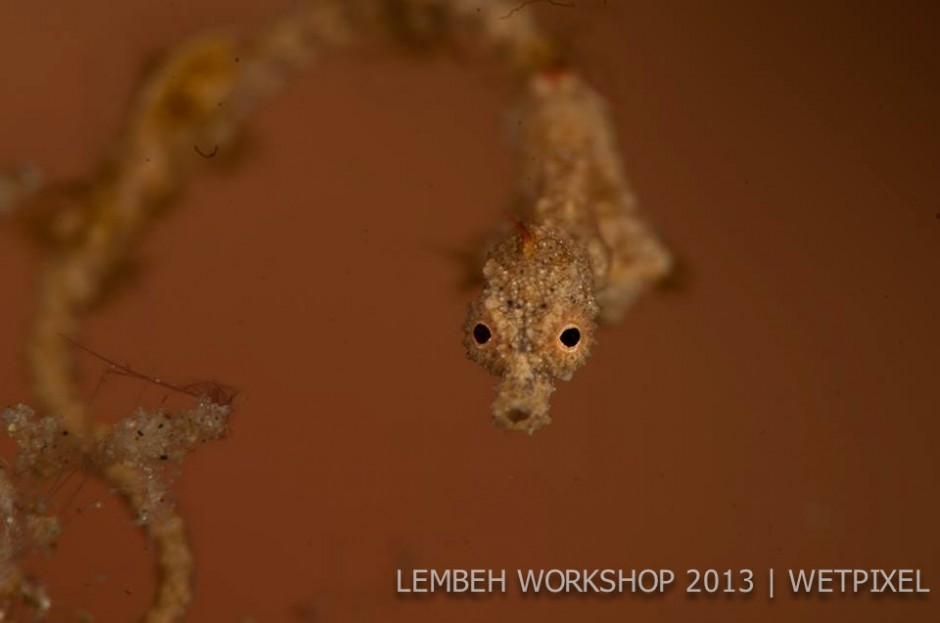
<point x="482" y="333"/>
<point x="570" y="337"/>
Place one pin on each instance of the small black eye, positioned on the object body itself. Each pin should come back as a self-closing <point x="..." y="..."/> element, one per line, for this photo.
<point x="570" y="337"/>
<point x="482" y="333"/>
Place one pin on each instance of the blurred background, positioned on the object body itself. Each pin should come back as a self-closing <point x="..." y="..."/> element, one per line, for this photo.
<point x="777" y="409"/>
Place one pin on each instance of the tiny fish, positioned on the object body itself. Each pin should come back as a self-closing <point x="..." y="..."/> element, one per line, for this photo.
<point x="579" y="253"/>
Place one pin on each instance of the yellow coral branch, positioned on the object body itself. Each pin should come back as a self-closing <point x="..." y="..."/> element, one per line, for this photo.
<point x="190" y="108"/>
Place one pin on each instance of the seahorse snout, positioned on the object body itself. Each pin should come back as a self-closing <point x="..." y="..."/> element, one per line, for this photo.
<point x="523" y="403"/>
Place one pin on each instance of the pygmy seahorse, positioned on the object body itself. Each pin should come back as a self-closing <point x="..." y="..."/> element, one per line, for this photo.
<point x="580" y="253"/>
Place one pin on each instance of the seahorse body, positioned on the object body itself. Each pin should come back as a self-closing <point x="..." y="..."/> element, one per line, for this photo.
<point x="581" y="253"/>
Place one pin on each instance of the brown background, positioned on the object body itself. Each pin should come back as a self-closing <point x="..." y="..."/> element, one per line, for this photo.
<point x="780" y="411"/>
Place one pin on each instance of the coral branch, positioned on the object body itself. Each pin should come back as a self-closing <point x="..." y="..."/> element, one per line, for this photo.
<point x="198" y="96"/>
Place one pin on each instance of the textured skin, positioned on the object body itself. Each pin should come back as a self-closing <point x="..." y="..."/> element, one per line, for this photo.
<point x="580" y="253"/>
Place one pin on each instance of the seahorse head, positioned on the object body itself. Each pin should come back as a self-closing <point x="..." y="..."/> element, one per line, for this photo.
<point x="533" y="323"/>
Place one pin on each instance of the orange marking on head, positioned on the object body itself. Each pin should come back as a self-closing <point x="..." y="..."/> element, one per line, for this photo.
<point x="525" y="237"/>
<point x="556" y="70"/>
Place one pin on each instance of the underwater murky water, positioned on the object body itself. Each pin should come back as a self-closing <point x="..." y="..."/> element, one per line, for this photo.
<point x="777" y="409"/>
